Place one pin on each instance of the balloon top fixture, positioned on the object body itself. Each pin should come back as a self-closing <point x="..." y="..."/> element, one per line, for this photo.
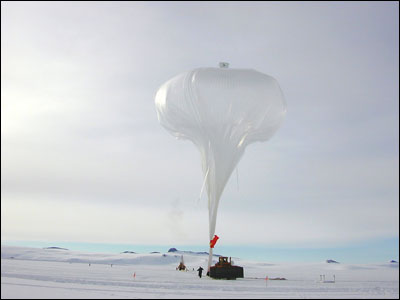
<point x="221" y="110"/>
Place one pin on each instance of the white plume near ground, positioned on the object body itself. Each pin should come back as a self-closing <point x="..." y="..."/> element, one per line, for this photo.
<point x="58" y="273"/>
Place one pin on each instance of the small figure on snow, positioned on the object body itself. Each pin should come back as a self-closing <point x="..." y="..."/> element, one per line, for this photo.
<point x="200" y="271"/>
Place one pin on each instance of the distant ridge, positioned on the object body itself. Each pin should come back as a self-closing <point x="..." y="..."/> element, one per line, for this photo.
<point x="58" y="248"/>
<point x="190" y="252"/>
<point x="331" y="261"/>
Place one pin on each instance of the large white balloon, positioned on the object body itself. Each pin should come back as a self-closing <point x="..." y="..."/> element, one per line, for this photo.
<point x="221" y="110"/>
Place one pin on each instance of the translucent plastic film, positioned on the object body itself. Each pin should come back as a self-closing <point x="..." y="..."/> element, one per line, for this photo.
<point x="221" y="111"/>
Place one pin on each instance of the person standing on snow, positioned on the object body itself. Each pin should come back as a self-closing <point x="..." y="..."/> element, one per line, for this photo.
<point x="200" y="271"/>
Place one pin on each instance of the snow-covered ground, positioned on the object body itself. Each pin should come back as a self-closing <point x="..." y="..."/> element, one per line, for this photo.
<point x="56" y="273"/>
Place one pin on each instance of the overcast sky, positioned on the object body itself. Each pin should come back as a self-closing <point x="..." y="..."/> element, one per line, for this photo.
<point x="83" y="157"/>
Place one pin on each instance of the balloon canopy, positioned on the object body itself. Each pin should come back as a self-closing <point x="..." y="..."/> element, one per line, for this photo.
<point x="221" y="110"/>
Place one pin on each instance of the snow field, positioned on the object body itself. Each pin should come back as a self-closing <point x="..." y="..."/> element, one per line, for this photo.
<point x="44" y="273"/>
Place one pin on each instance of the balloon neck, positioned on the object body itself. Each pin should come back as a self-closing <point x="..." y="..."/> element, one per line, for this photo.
<point x="224" y="65"/>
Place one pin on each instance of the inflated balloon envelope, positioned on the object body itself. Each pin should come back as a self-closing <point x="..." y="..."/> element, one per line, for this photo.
<point x="221" y="110"/>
